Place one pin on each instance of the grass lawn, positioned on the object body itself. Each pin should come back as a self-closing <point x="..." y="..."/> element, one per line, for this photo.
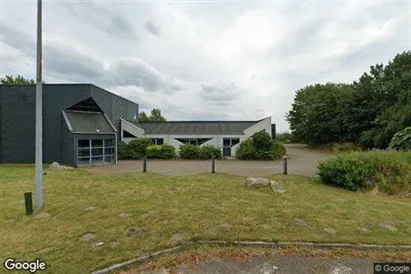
<point x="171" y="209"/>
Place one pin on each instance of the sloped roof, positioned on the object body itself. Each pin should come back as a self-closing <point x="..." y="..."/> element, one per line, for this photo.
<point x="88" y="122"/>
<point x="195" y="127"/>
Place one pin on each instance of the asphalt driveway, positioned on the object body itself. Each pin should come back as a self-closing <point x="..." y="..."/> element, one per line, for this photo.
<point x="302" y="161"/>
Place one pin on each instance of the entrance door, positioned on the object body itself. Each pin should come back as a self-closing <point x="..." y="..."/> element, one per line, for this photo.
<point x="227" y="144"/>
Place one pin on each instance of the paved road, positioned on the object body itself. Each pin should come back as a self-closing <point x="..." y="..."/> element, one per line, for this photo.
<point x="303" y="161"/>
<point x="278" y="265"/>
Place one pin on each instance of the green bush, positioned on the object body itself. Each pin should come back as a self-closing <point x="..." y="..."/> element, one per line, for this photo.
<point x="168" y="151"/>
<point x="389" y="171"/>
<point x="155" y="152"/>
<point x="345" y="147"/>
<point x="246" y="150"/>
<point x="209" y="151"/>
<point x="260" y="147"/>
<point x="401" y="140"/>
<point x="285" y="137"/>
<point x="138" y="147"/>
<point x="189" y="151"/>
<point x="123" y="152"/>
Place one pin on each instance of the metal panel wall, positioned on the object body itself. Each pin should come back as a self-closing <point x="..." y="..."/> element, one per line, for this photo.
<point x="55" y="99"/>
<point x="104" y="100"/>
<point x="1" y="126"/>
<point x="119" y="111"/>
<point x="132" y="111"/>
<point x="67" y="148"/>
<point x="18" y="123"/>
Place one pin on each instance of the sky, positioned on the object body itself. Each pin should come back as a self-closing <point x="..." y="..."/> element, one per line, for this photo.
<point x="203" y="60"/>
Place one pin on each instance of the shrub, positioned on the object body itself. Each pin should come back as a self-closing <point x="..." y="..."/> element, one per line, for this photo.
<point x="189" y="151"/>
<point x="123" y="152"/>
<point x="260" y="147"/>
<point x="390" y="171"/>
<point x="285" y="137"/>
<point x="401" y="140"/>
<point x="138" y="147"/>
<point x="246" y="150"/>
<point x="168" y="151"/>
<point x="155" y="152"/>
<point x="209" y="151"/>
<point x="345" y="147"/>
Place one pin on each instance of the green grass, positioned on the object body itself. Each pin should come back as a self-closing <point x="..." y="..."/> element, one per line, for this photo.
<point x="189" y="205"/>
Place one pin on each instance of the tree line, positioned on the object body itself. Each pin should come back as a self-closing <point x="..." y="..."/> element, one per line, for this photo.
<point x="368" y="111"/>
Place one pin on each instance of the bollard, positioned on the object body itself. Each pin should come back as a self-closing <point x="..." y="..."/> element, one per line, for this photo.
<point x="145" y="164"/>
<point x="213" y="165"/>
<point x="28" y="203"/>
<point x="285" y="165"/>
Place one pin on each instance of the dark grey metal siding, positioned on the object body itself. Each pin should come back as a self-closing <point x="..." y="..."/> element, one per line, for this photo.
<point x="132" y="111"/>
<point x="17" y="117"/>
<point x="68" y="152"/>
<point x="18" y="123"/>
<point x="55" y="99"/>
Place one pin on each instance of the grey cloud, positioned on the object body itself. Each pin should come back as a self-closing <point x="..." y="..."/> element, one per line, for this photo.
<point x="19" y="40"/>
<point x="152" y="28"/>
<point x="134" y="71"/>
<point x="219" y="95"/>
<point x="103" y="19"/>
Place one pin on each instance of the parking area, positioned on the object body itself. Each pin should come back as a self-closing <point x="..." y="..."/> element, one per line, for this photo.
<point x="302" y="161"/>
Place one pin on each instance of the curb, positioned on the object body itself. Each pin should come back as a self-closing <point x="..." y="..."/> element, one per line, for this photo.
<point x="130" y="263"/>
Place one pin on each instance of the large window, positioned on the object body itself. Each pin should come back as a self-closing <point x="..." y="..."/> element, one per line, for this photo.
<point x="228" y="143"/>
<point x="193" y="141"/>
<point x="95" y="152"/>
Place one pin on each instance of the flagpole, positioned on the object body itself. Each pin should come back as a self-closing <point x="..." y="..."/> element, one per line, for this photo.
<point x="39" y="114"/>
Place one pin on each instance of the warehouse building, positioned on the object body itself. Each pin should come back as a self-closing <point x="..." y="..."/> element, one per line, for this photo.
<point x="80" y="123"/>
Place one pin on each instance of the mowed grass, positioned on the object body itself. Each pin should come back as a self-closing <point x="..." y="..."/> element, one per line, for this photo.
<point x="206" y="206"/>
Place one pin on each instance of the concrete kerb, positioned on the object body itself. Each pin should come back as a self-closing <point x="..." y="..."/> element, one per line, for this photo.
<point x="131" y="263"/>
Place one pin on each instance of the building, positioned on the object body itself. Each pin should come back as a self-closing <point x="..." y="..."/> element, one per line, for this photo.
<point x="225" y="134"/>
<point x="80" y="123"/>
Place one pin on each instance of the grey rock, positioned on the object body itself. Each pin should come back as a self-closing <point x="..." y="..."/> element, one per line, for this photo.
<point x="389" y="226"/>
<point x="330" y="231"/>
<point x="90" y="208"/>
<point x="42" y="215"/>
<point x="137" y="232"/>
<point x="257" y="182"/>
<point x="276" y="187"/>
<point x="87" y="237"/>
<point x="210" y="231"/>
<point x="177" y="238"/>
<point x="300" y="222"/>
<point x="97" y="245"/>
<point x="363" y="230"/>
<point x="56" y="166"/>
<point x="124" y="214"/>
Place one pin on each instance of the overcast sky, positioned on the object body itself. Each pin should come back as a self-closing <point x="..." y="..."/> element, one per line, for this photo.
<point x="204" y="61"/>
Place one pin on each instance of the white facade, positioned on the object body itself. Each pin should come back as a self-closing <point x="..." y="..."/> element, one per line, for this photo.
<point x="216" y="140"/>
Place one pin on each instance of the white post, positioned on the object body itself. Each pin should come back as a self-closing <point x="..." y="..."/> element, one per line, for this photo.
<point x="39" y="116"/>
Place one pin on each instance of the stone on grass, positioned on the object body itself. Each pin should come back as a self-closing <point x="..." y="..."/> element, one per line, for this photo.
<point x="87" y="237"/>
<point x="257" y="182"/>
<point x="363" y="230"/>
<point x="276" y="187"/>
<point x="137" y="232"/>
<point x="210" y="231"/>
<point x="330" y="231"/>
<point x="177" y="238"/>
<point x="124" y="214"/>
<point x="56" y="166"/>
<point x="300" y="222"/>
<point x="389" y="226"/>
<point x="42" y="215"/>
<point x="98" y="245"/>
<point x="90" y="208"/>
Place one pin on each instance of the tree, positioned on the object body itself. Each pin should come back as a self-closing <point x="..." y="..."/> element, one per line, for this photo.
<point x="12" y="80"/>
<point x="154" y="117"/>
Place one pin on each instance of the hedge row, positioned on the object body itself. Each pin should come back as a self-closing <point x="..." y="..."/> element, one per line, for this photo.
<point x="204" y="152"/>
<point x="388" y="171"/>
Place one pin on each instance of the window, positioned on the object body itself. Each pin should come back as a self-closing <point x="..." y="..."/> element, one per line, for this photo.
<point x="157" y="141"/>
<point x="127" y="134"/>
<point x="95" y="152"/>
<point x="193" y="141"/>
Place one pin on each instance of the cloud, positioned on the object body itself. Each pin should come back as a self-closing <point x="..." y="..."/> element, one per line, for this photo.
<point x="152" y="28"/>
<point x="241" y="61"/>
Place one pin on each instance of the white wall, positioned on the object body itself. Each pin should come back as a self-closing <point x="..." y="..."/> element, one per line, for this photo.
<point x="216" y="140"/>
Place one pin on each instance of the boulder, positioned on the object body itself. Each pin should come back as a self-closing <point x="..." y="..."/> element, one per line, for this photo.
<point x="276" y="187"/>
<point x="389" y="226"/>
<point x="257" y="182"/>
<point x="56" y="166"/>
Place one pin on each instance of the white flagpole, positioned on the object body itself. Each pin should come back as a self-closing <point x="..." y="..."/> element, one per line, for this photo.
<point x="39" y="114"/>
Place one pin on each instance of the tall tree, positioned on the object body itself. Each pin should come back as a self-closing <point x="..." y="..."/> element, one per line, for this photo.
<point x="12" y="80"/>
<point x="154" y="117"/>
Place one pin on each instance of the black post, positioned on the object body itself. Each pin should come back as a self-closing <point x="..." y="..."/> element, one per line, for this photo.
<point x="145" y="164"/>
<point x="29" y="203"/>
<point x="285" y="165"/>
<point x="213" y="165"/>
